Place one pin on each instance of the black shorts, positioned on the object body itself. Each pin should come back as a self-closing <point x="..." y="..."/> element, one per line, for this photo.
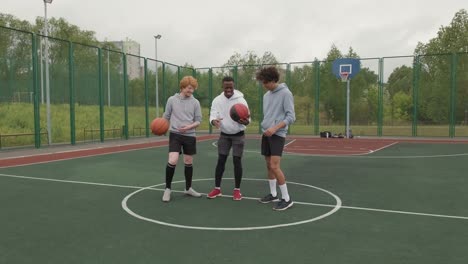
<point x="236" y="141"/>
<point x="272" y="146"/>
<point x="180" y="143"/>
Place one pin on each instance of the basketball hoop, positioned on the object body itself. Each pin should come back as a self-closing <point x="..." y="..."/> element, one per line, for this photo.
<point x="344" y="76"/>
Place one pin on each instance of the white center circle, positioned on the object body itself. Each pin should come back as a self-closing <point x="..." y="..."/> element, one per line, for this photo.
<point x="332" y="211"/>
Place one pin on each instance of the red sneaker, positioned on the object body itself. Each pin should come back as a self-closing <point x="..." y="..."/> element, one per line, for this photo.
<point x="214" y="193"/>
<point x="237" y="195"/>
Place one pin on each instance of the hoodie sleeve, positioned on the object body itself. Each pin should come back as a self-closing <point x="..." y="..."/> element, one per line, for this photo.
<point x="168" y="112"/>
<point x="290" y="114"/>
<point x="198" y="113"/>
<point x="214" y="111"/>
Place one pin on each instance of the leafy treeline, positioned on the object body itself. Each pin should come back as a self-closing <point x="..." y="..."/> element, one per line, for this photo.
<point x="420" y="89"/>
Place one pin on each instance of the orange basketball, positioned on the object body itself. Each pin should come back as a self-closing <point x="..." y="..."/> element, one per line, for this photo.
<point x="159" y="126"/>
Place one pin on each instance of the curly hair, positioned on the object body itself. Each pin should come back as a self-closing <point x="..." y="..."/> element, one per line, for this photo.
<point x="228" y="79"/>
<point x="188" y="80"/>
<point x="268" y="74"/>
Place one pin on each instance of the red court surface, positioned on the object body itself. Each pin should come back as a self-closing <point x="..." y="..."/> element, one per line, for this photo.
<point x="295" y="145"/>
<point x="336" y="146"/>
<point x="355" y="146"/>
<point x="32" y="157"/>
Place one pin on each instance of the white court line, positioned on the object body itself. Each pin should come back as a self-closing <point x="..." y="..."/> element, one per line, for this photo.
<point x="217" y="228"/>
<point x="330" y="150"/>
<point x="248" y="198"/>
<point x="289" y="143"/>
<point x="386" y="146"/>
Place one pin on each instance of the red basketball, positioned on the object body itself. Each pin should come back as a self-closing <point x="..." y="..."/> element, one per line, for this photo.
<point x="159" y="126"/>
<point x="239" y="111"/>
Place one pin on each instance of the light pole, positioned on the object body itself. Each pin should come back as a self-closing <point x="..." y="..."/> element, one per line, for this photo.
<point x="46" y="55"/>
<point x="156" y="58"/>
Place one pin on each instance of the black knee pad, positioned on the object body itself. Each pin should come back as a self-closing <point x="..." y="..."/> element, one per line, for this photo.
<point x="237" y="162"/>
<point x="222" y="158"/>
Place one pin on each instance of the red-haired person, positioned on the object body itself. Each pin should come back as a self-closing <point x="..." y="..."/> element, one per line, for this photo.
<point x="184" y="114"/>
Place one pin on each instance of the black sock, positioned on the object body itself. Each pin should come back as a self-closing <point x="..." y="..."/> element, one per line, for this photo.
<point x="170" y="169"/>
<point x="188" y="176"/>
<point x="220" y="169"/>
<point x="237" y="171"/>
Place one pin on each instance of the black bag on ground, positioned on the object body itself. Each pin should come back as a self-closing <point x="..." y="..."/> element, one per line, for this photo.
<point x="325" y="134"/>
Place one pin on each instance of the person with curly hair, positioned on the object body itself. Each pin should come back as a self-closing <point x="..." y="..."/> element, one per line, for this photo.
<point x="278" y="114"/>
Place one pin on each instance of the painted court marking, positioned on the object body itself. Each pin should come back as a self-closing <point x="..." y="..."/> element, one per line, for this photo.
<point x="128" y="210"/>
<point x="296" y="202"/>
<point x="365" y="156"/>
<point x="331" y="147"/>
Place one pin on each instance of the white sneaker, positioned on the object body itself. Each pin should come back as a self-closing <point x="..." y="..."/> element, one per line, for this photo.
<point x="192" y="192"/>
<point x="167" y="195"/>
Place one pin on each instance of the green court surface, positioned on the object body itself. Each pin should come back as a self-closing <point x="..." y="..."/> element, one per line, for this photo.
<point x="406" y="203"/>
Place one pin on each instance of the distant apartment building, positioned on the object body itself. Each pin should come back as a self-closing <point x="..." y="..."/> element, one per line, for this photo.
<point x="133" y="63"/>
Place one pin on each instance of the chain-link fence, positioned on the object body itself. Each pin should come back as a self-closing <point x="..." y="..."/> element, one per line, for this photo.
<point x="99" y="94"/>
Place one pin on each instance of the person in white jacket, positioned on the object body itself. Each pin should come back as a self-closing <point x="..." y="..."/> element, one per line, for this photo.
<point x="231" y="136"/>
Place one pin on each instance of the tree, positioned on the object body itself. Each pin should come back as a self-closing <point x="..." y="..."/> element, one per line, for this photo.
<point x="399" y="81"/>
<point x="436" y="71"/>
<point x="15" y="58"/>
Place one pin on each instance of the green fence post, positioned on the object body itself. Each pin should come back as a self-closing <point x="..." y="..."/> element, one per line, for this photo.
<point x="317" y="98"/>
<point x="146" y="98"/>
<point x="71" y="86"/>
<point x="416" y="73"/>
<point x="288" y="74"/>
<point x="164" y="85"/>
<point x="178" y="75"/>
<point x="260" y="107"/>
<point x="288" y="83"/>
<point x="235" y="74"/>
<point x="210" y="95"/>
<point x="453" y="94"/>
<point x="380" y="98"/>
<point x="125" y="131"/>
<point x="101" y="99"/>
<point x="37" y="123"/>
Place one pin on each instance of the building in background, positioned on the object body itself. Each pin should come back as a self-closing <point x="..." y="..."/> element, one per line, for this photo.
<point x="133" y="63"/>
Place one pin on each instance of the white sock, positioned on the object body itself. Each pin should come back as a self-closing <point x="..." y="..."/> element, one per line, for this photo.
<point x="284" y="192"/>
<point x="273" y="187"/>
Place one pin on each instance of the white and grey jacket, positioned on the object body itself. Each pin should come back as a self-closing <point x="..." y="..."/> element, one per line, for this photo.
<point x="220" y="108"/>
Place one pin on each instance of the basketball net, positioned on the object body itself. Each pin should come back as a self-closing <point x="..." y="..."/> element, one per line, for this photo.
<point x="344" y="76"/>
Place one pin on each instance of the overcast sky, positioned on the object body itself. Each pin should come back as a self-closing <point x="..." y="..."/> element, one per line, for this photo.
<point x="208" y="32"/>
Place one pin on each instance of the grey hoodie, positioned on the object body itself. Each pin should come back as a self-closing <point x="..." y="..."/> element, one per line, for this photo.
<point x="278" y="105"/>
<point x="182" y="111"/>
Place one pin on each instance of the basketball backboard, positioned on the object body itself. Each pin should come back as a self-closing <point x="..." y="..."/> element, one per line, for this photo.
<point x="347" y="65"/>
